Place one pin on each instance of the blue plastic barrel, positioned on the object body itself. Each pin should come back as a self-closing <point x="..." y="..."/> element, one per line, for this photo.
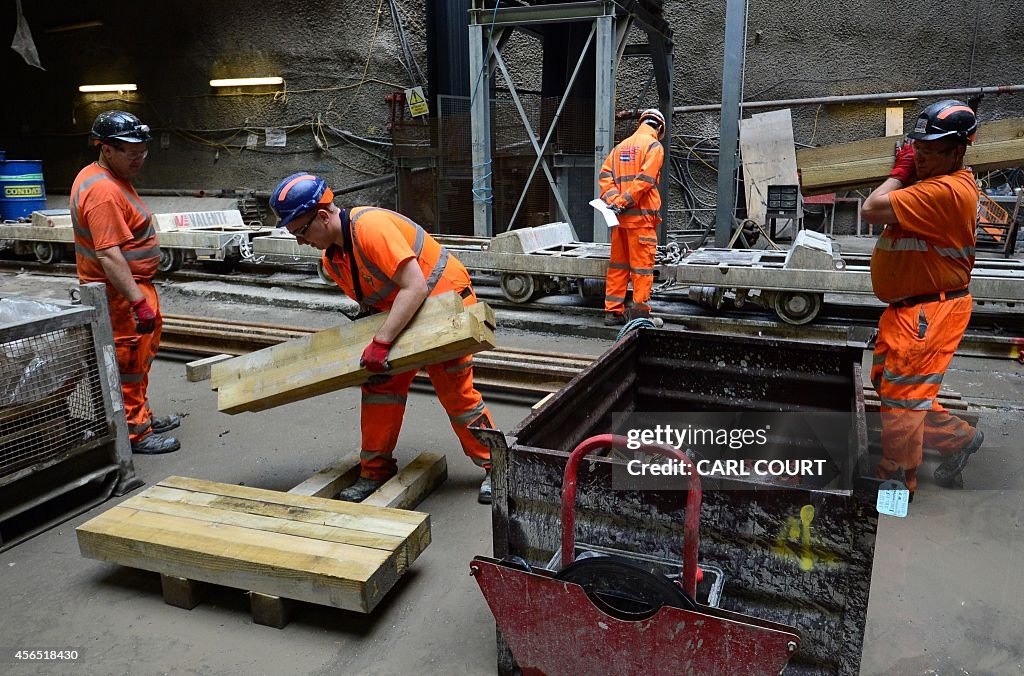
<point x="21" y="188"/>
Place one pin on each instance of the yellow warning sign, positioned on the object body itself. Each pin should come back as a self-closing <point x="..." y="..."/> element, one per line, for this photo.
<point x="417" y="102"/>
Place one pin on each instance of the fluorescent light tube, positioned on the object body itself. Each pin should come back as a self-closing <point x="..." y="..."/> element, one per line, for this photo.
<point x="128" y="87"/>
<point x="247" y="81"/>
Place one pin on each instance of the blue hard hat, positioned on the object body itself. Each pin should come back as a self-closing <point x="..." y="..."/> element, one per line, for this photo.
<point x="297" y="195"/>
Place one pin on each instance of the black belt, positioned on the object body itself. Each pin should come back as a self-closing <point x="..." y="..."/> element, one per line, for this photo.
<point x="931" y="297"/>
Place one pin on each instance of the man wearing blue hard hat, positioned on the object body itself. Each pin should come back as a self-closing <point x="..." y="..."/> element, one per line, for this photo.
<point x="385" y="261"/>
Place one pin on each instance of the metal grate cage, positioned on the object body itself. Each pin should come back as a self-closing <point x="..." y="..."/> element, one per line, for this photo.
<point x="63" y="436"/>
<point x="50" y="398"/>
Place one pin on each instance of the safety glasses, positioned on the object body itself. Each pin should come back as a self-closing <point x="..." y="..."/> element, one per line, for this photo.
<point x="133" y="155"/>
<point x="302" y="231"/>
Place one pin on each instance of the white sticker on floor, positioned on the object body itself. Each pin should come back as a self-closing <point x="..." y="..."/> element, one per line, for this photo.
<point x="893" y="499"/>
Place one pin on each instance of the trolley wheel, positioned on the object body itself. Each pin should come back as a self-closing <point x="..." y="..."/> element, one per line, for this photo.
<point x="170" y="259"/>
<point x="48" y="252"/>
<point x="590" y="288"/>
<point x="321" y="273"/>
<point x="518" y="288"/>
<point x="797" y="307"/>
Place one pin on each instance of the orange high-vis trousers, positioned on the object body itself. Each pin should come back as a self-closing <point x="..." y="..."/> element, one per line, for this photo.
<point x="632" y="258"/>
<point x="383" y="407"/>
<point x="912" y="352"/>
<point x="135" y="355"/>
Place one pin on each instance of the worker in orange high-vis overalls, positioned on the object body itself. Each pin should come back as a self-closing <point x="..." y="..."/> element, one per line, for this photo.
<point x="386" y="262"/>
<point x="115" y="243"/>
<point x="921" y="266"/>
<point x="629" y="182"/>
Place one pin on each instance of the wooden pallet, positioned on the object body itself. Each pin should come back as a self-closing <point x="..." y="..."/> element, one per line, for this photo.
<point x="279" y="546"/>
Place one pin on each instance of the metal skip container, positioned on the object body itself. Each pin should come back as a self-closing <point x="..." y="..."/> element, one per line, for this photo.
<point x="793" y="551"/>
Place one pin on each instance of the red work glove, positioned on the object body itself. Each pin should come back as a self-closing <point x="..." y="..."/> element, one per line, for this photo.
<point x="904" y="170"/>
<point x="145" y="316"/>
<point x="375" y="356"/>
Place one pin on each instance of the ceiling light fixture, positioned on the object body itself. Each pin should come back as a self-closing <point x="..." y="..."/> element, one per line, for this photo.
<point x="247" y="81"/>
<point x="91" y="89"/>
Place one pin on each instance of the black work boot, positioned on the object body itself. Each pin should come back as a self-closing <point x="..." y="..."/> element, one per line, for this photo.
<point x="165" y="423"/>
<point x="613" y="319"/>
<point x="947" y="474"/>
<point x="485" y="495"/>
<point x="154" y="444"/>
<point x="361" y="489"/>
<point x="636" y="313"/>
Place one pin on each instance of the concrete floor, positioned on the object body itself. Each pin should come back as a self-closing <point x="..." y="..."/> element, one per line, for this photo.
<point x="947" y="592"/>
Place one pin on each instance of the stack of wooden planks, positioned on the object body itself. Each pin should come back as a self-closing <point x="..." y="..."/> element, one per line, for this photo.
<point x="844" y="166"/>
<point x="329" y="360"/>
<point x="276" y="545"/>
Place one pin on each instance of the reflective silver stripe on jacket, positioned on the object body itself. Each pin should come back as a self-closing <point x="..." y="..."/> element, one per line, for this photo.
<point x="965" y="252"/>
<point x="902" y="244"/>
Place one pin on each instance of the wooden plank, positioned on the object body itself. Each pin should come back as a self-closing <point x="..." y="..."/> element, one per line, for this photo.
<point x="337" y="575"/>
<point x="181" y="592"/>
<point x="178" y="504"/>
<point x="420" y="344"/>
<point x="335" y="338"/>
<point x="327" y="482"/>
<point x="394" y="521"/>
<point x="1000" y="144"/>
<point x="767" y="151"/>
<point x="412" y="484"/>
<point x="894" y="121"/>
<point x="200" y="369"/>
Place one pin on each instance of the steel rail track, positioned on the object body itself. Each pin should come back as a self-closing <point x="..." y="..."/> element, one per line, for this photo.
<point x="991" y="334"/>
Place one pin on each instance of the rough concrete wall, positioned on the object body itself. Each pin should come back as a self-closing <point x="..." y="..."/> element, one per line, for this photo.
<point x="173" y="49"/>
<point x="794" y="49"/>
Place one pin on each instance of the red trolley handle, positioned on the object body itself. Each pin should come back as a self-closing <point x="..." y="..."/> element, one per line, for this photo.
<point x="691" y="526"/>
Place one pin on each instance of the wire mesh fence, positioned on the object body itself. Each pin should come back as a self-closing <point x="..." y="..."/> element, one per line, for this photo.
<point x="51" y="402"/>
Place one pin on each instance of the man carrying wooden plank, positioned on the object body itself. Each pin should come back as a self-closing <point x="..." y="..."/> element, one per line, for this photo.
<point x="384" y="261"/>
<point x="921" y="266"/>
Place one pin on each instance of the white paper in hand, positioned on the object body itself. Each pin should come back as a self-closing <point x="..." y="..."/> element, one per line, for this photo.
<point x="610" y="219"/>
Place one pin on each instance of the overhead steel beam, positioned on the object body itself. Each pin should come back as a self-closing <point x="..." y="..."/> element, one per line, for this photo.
<point x="569" y="11"/>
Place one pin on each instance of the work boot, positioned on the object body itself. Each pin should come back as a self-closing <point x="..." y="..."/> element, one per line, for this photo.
<point x="614" y="319"/>
<point x="485" y="495"/>
<point x="947" y="474"/>
<point x="154" y="444"/>
<point x="636" y="313"/>
<point x="361" y="489"/>
<point x="165" y="423"/>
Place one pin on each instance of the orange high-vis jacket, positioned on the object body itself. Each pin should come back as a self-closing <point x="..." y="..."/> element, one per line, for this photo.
<point x="381" y="241"/>
<point x="630" y="177"/>
<point x="931" y="248"/>
<point x="105" y="212"/>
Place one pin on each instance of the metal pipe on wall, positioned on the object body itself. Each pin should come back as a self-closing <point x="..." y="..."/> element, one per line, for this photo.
<point x="850" y="98"/>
